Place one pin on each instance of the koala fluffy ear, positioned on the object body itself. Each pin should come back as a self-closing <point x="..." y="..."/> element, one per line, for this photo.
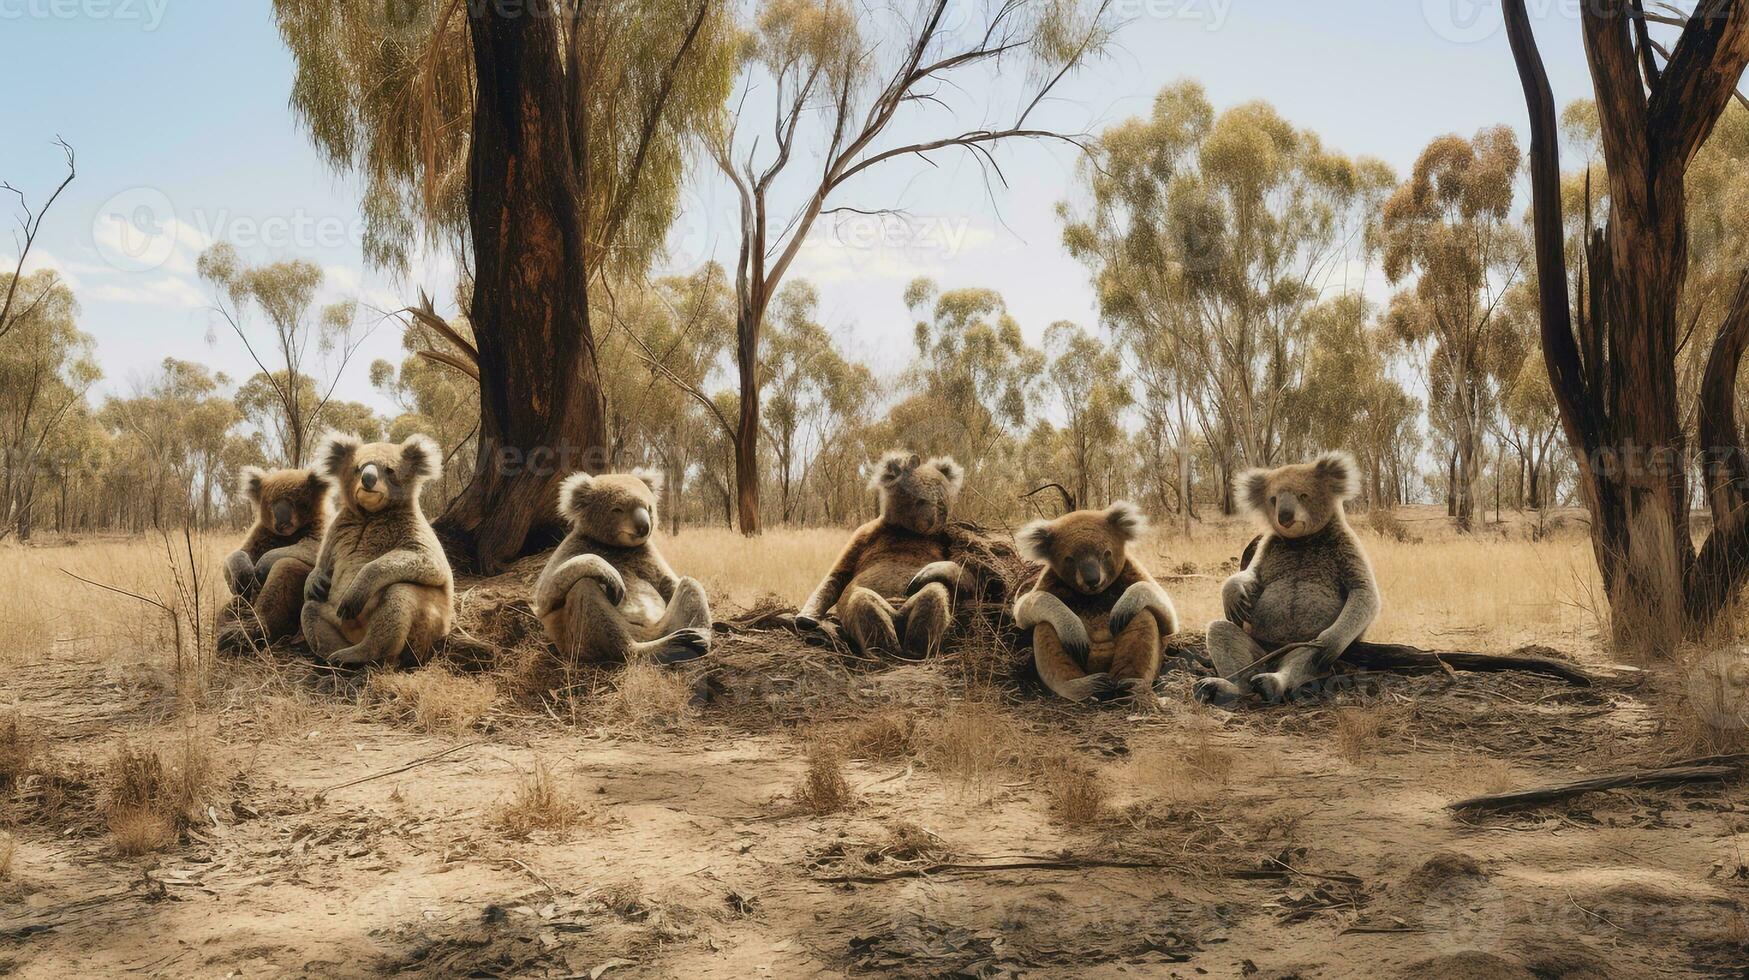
<point x="891" y="467"/>
<point x="336" y="452"/>
<point x="1338" y="472"/>
<point x="652" y="477"/>
<point x="951" y="470"/>
<point x="421" y="455"/>
<point x="571" y="494"/>
<point x="1034" y="541"/>
<point x="1127" y="519"/>
<point x="1254" y="489"/>
<point x="319" y="484"/>
<point x="249" y="482"/>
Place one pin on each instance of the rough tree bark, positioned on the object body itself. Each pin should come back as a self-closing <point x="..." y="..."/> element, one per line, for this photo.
<point x="541" y="413"/>
<point x="1615" y="381"/>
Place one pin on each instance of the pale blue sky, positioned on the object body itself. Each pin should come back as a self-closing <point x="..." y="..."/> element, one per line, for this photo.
<point x="179" y="107"/>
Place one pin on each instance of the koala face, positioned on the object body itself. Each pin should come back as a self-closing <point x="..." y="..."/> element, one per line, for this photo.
<point x="915" y="495"/>
<point x="287" y="502"/>
<point x="615" y="509"/>
<point x="1086" y="548"/>
<point x="376" y="476"/>
<point x="1301" y="498"/>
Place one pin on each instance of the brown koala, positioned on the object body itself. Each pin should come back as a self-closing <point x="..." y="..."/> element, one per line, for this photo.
<point x="1307" y="592"/>
<point x="1089" y="638"/>
<point x="901" y="555"/>
<point x="606" y="594"/>
<point x="266" y="573"/>
<point x="382" y="585"/>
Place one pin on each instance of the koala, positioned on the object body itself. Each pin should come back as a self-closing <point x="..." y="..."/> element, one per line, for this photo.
<point x="902" y="555"/>
<point x="266" y="573"/>
<point x="606" y="594"/>
<point x="382" y="586"/>
<point x="1090" y="637"/>
<point x="1306" y="593"/>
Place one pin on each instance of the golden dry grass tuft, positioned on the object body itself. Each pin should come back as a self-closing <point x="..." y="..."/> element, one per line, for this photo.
<point x="1078" y="797"/>
<point x="1363" y="733"/>
<point x="18" y="749"/>
<point x="540" y="803"/>
<point x="1710" y="715"/>
<point x="974" y="743"/>
<point x="8" y="848"/>
<point x="149" y="801"/>
<point x="1189" y="769"/>
<point x="432" y="699"/>
<point x="883" y="737"/>
<point x="824" y="788"/>
<point x="907" y="841"/>
<point x="645" y="696"/>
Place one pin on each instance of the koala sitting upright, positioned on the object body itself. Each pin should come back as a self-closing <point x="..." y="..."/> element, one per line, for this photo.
<point x="904" y="552"/>
<point x="606" y="594"/>
<point x="266" y="573"/>
<point x="1098" y="618"/>
<point x="382" y="584"/>
<point x="1308" y="586"/>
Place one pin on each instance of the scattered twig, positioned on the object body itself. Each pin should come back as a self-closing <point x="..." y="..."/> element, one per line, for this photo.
<point x="1687" y="771"/>
<point x="416" y="763"/>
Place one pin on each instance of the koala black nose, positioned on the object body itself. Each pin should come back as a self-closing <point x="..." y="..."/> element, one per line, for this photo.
<point x="368" y="477"/>
<point x="1285" y="516"/>
<point x="641" y="521"/>
<point x="282" y="515"/>
<point x="1090" y="574"/>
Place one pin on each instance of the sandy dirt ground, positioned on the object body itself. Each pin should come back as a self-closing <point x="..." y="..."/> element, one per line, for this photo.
<point x="342" y="839"/>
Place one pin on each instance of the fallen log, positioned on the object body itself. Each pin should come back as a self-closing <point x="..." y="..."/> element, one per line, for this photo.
<point x="1404" y="659"/>
<point x="1686" y="771"/>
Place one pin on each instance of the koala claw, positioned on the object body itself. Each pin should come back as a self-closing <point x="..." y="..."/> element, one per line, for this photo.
<point x="1120" y="618"/>
<point x="317" y="585"/>
<point x="352" y="605"/>
<point x="1122" y="689"/>
<point x="613" y="588"/>
<point x="806" y="623"/>
<point x="683" y="645"/>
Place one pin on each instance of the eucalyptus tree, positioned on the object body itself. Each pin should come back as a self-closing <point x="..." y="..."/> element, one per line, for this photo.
<point x="1087" y="378"/>
<point x="811" y="390"/>
<point x="46" y="366"/>
<point x="544" y="142"/>
<point x="1210" y="237"/>
<point x="1450" y="232"/>
<point x="1612" y="356"/>
<point x="856" y="73"/>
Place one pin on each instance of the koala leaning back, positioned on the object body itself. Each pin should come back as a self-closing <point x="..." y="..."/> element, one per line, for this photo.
<point x="382" y="585"/>
<point x="903" y="556"/>
<point x="1098" y="619"/>
<point x="1308" y="591"/>
<point x="606" y="594"/>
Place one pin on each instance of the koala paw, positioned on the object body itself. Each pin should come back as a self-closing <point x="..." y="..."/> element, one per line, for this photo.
<point x="613" y="587"/>
<point x="1216" y="690"/>
<point x="1087" y="688"/>
<point x="1076" y="642"/>
<point x="317" y="585"/>
<point x="806" y="623"/>
<point x="353" y="604"/>
<point x="1122" y="689"/>
<point x="1270" y="687"/>
<point x="683" y="645"/>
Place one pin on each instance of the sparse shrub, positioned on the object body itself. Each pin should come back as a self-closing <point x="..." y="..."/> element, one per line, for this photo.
<point x="824" y="789"/>
<point x="647" y="696"/>
<point x="150" y="802"/>
<point x="433" y="699"/>
<point x="1078" y="797"/>
<point x="908" y="842"/>
<point x="539" y="803"/>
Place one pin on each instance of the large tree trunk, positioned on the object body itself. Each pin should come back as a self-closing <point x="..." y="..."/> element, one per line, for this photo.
<point x="541" y="413"/>
<point x="1615" y="382"/>
<point x="747" y="430"/>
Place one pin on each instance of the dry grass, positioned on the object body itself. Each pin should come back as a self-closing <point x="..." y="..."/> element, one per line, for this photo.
<point x="974" y="743"/>
<point x="787" y="563"/>
<point x="149" y="801"/>
<point x="645" y="696"/>
<point x="433" y="699"/>
<point x="883" y="737"/>
<point x="540" y="803"/>
<point x="8" y="848"/>
<point x="1077" y="795"/>
<point x="1361" y="733"/>
<point x="1189" y="770"/>
<point x="824" y="789"/>
<point x="1711" y="714"/>
<point x="18" y="749"/>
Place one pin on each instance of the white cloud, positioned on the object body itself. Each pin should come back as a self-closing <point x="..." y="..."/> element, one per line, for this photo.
<point x="162" y="291"/>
